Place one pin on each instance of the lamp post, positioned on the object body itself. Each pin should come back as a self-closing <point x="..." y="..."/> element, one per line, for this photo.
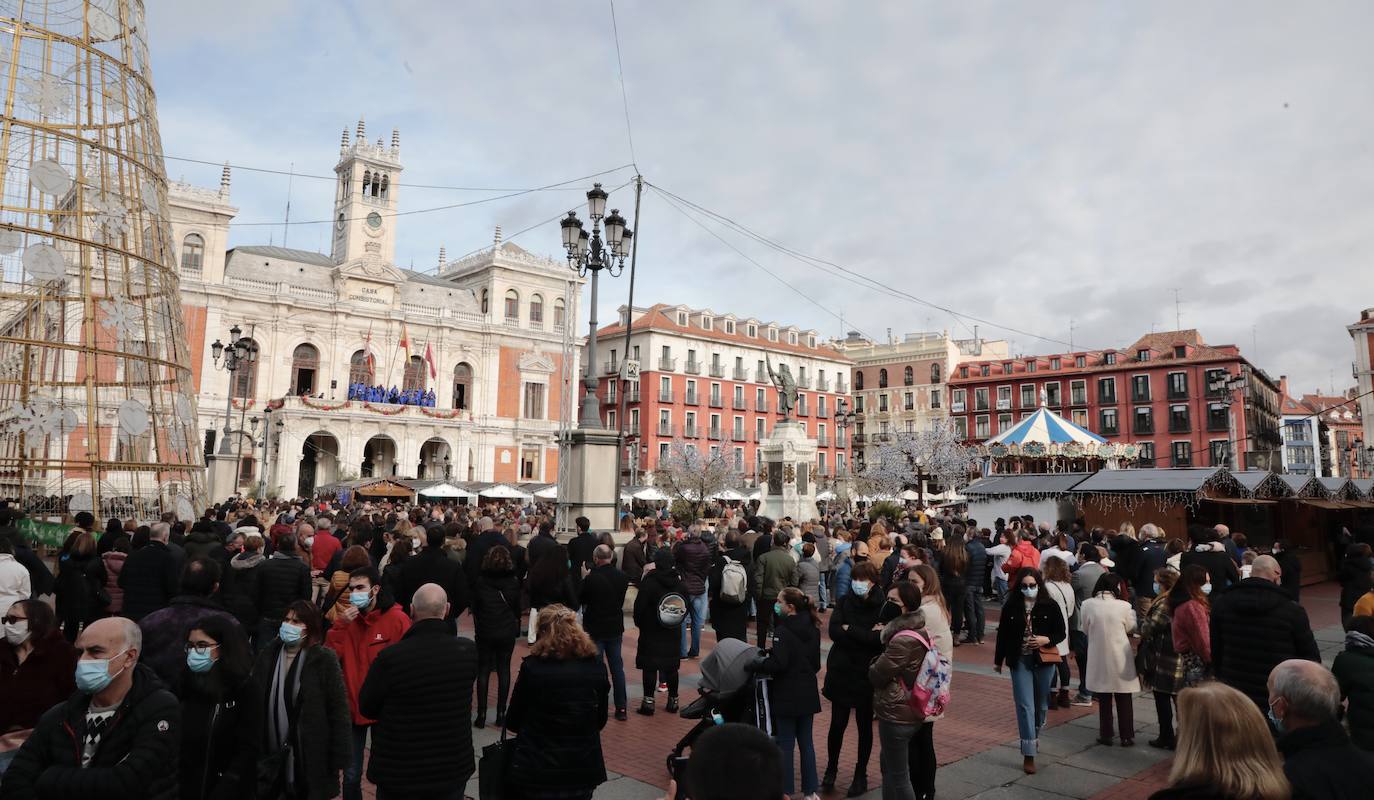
<point x="448" y="466"/>
<point x="267" y="431"/>
<point x="230" y="358"/>
<point x="588" y="253"/>
<point x="844" y="417"/>
<point x="1228" y="385"/>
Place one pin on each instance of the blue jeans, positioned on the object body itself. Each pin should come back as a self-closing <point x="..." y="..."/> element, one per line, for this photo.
<point x="610" y="650"/>
<point x="973" y="613"/>
<point x="825" y="590"/>
<point x="790" y="731"/>
<point x="5" y="759"/>
<point x="1030" y="688"/>
<point x="999" y="588"/>
<point x="696" y="617"/>
<point x="353" y="772"/>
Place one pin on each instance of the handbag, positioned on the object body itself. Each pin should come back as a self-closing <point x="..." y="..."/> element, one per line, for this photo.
<point x="271" y="777"/>
<point x="1049" y="654"/>
<point x="1195" y="670"/>
<point x="493" y="767"/>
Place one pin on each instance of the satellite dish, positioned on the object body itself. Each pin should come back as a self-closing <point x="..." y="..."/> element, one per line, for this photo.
<point x="50" y="177"/>
<point x="133" y="418"/>
<point x="45" y="263"/>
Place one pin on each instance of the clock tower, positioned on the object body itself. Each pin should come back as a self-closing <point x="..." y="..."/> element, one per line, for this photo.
<point x="365" y="198"/>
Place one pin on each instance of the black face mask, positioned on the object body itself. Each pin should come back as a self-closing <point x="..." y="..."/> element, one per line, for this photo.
<point x="890" y="612"/>
<point x="860" y="559"/>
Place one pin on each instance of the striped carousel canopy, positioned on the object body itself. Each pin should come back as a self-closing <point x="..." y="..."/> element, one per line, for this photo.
<point x="1049" y="429"/>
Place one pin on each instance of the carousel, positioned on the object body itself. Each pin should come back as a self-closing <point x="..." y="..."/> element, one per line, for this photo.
<point x="1045" y="442"/>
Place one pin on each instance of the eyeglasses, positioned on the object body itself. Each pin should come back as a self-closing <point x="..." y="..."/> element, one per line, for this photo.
<point x="10" y="619"/>
<point x="201" y="648"/>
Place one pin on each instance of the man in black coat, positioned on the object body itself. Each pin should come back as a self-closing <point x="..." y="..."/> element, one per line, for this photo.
<point x="488" y="536"/>
<point x="164" y="630"/>
<point x="419" y="691"/>
<point x="541" y="544"/>
<point x="1291" y="580"/>
<point x="433" y="565"/>
<point x="580" y="550"/>
<point x="1319" y="759"/>
<point x="603" y="617"/>
<point x="282" y="579"/>
<point x="1255" y="627"/>
<point x="118" y="736"/>
<point x="151" y="575"/>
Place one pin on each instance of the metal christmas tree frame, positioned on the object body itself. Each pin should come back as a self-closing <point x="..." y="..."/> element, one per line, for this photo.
<point x="97" y="408"/>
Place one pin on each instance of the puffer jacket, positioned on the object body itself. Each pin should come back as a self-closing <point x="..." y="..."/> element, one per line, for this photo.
<point x="893" y="672"/>
<point x="559" y="709"/>
<point x="496" y="606"/>
<point x="693" y="560"/>
<point x="114" y="562"/>
<point x="1354" y="671"/>
<point x="1254" y="628"/>
<point x="201" y="544"/>
<point x="238" y="588"/>
<point x="282" y="579"/>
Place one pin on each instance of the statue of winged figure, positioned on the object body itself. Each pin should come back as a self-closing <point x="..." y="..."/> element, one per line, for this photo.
<point x="786" y="386"/>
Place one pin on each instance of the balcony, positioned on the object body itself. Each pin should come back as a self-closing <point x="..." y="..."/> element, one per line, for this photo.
<point x="803" y="382"/>
<point x="1143" y="426"/>
<point x="1140" y="397"/>
<point x="665" y="430"/>
<point x="715" y="434"/>
<point x="1052" y="399"/>
<point x="717" y="371"/>
<point x="761" y="404"/>
<point x="1004" y="404"/>
<point x="822" y="385"/>
<point x="761" y="376"/>
<point x="738" y="404"/>
<point x="1078" y="399"/>
<point x="957" y="407"/>
<point x="802" y="410"/>
<point x="693" y="399"/>
<point x="740" y="374"/>
<point x="1180" y="426"/>
<point x="691" y="431"/>
<point x="632" y="396"/>
<point x="841" y="387"/>
<point x="667" y="365"/>
<point x="1106" y="398"/>
<point x="610" y="368"/>
<point x="839" y="440"/>
<point x="822" y="440"/>
<point x="693" y="367"/>
<point x="980" y="405"/>
<point x="737" y="435"/>
<point x="716" y="401"/>
<point x="823" y="471"/>
<point x="860" y="439"/>
<point x="665" y="396"/>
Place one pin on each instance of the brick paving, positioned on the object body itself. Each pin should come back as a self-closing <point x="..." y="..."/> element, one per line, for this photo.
<point x="975" y="743"/>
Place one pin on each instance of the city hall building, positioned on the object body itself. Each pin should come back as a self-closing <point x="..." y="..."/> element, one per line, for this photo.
<point x="487" y="335"/>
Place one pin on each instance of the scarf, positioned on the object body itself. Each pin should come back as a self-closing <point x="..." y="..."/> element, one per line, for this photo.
<point x="283" y="696"/>
<point x="1354" y="640"/>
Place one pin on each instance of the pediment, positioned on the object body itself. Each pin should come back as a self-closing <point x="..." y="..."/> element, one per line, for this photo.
<point x="535" y="362"/>
<point x="369" y="267"/>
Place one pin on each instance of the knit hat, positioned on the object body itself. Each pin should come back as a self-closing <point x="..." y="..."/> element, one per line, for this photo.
<point x="937" y="535"/>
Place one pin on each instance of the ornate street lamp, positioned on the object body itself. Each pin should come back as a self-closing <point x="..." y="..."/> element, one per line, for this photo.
<point x="589" y="253"/>
<point x="230" y="358"/>
<point x="844" y="418"/>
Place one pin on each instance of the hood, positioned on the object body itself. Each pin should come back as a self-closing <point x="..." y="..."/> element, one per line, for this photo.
<point x="246" y="560"/>
<point x="1210" y="547"/>
<point x="1255" y="596"/>
<point x="913" y="621"/>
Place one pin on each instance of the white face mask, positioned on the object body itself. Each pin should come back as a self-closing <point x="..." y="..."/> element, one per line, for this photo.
<point x="309" y="541"/>
<point x="16" y="632"/>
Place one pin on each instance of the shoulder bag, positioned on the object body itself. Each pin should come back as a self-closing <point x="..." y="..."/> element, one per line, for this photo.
<point x="493" y="768"/>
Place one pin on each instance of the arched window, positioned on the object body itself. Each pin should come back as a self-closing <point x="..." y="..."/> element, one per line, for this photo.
<point x="512" y="305"/>
<point x="537" y="310"/>
<point x="462" y="385"/>
<point x="858" y="380"/>
<point x="560" y="314"/>
<point x="376" y="184"/>
<point x="935" y="372"/>
<point x="192" y="253"/>
<point x="486" y="304"/>
<point x="367" y="182"/>
<point x="386" y="183"/>
<point x="416" y="372"/>
<point x="246" y="376"/>
<point x="305" y="364"/>
<point x="908" y="376"/>
<point x="357" y="368"/>
<point x="882" y="379"/>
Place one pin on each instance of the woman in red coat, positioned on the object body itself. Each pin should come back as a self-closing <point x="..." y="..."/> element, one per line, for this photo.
<point x="37" y="671"/>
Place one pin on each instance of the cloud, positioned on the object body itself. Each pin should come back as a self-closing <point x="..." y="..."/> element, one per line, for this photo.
<point x="1025" y="165"/>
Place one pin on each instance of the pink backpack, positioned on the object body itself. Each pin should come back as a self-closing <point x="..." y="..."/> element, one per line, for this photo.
<point x="930" y="691"/>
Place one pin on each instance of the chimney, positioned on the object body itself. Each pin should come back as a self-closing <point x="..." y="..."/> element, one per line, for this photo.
<point x="1283" y="386"/>
<point x="362" y="131"/>
<point x="496" y="238"/>
<point x="224" y="181"/>
<point x="395" y="140"/>
<point x="443" y="255"/>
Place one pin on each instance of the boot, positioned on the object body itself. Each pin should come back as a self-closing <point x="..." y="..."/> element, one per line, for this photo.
<point x="1028" y="765"/>
<point x="1063" y="698"/>
<point x="646" y="707"/>
<point x="671" y="707"/>
<point x="500" y="718"/>
<point x="481" y="721"/>
<point x="859" y="786"/>
<point x="828" y="782"/>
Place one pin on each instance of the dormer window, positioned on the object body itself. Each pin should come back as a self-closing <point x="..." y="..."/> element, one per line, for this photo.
<point x="706" y="323"/>
<point x="1054" y="363"/>
<point x="729" y="326"/>
<point x="772" y="334"/>
<point x="792" y="338"/>
<point x="1142" y="355"/>
<point x="1180" y="351"/>
<point x="810" y="341"/>
<point x="1080" y="361"/>
<point x="1109" y="359"/>
<point x="751" y="331"/>
<point x="682" y="318"/>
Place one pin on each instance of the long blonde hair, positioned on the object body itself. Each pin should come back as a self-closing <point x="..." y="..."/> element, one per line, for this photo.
<point x="930" y="586"/>
<point x="560" y="637"/>
<point x="1223" y="743"/>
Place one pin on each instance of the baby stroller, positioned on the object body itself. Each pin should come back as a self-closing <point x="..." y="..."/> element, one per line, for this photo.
<point x="729" y="693"/>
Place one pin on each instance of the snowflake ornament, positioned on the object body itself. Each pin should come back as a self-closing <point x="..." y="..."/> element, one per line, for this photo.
<point x="50" y="95"/>
<point x="104" y="25"/>
<point x="110" y="214"/>
<point x="121" y="317"/>
<point x="149" y="195"/>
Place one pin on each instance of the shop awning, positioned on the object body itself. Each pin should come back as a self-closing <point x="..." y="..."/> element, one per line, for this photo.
<point x="1240" y="501"/>
<point x="1329" y="505"/>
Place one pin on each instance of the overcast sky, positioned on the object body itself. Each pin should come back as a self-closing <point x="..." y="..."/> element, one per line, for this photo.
<point x="1027" y="164"/>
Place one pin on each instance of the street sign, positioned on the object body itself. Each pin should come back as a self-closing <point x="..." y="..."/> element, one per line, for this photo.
<point x="629" y="370"/>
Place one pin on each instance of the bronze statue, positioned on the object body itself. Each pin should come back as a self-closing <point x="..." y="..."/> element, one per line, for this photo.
<point x="786" y="386"/>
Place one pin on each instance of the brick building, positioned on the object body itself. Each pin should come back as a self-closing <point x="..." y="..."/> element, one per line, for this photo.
<point x="1156" y="394"/>
<point x="1362" y="336"/>
<point x="703" y="379"/>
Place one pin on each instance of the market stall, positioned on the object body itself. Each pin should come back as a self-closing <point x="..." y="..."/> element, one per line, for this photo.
<point x="1042" y="495"/>
<point x="1044" y="443"/>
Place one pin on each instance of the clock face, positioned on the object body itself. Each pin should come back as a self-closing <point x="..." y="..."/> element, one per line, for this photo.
<point x="374" y="221"/>
<point x="339" y="223"/>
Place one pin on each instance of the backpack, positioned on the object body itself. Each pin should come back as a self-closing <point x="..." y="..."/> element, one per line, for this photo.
<point x="734" y="582"/>
<point x="672" y="610"/>
<point x="930" y="691"/>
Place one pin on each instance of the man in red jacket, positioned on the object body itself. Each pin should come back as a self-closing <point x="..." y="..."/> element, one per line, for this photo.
<point x="1023" y="553"/>
<point x="370" y="623"/>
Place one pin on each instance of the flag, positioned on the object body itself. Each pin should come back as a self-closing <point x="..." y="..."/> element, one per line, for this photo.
<point x="370" y="359"/>
<point x="405" y="340"/>
<point x="429" y="358"/>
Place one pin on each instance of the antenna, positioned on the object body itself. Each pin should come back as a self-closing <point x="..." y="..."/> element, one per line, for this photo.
<point x="1071" y="327"/>
<point x="286" y="226"/>
<point x="1178" y="309"/>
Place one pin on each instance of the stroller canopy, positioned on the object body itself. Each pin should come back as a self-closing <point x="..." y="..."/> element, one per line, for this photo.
<point x="723" y="670"/>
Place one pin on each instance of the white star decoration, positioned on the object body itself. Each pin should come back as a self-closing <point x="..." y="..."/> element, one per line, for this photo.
<point x="121" y="317"/>
<point x="44" y="417"/>
<point x="50" y="95"/>
<point x="110" y="214"/>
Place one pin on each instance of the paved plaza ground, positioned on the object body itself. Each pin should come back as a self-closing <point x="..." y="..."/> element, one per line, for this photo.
<point x="976" y="743"/>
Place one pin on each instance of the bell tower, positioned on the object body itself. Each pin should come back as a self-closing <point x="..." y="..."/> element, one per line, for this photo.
<point x="365" y="197"/>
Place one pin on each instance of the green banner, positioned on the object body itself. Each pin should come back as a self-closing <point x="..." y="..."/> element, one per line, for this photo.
<point x="52" y="534"/>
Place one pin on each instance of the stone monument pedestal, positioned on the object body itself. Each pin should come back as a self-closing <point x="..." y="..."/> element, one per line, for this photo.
<point x="593" y="487"/>
<point x="788" y="479"/>
<point x="223" y="476"/>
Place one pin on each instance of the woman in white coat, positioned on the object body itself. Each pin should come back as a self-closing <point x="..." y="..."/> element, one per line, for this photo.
<point x="1058" y="582"/>
<point x="1108" y="622"/>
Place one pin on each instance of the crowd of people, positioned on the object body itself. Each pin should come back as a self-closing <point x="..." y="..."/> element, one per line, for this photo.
<point x="381" y="394"/>
<point x="266" y="649"/>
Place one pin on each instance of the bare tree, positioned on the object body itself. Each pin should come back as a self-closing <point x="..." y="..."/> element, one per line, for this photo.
<point x="886" y="473"/>
<point x="691" y="476"/>
<point x="940" y="453"/>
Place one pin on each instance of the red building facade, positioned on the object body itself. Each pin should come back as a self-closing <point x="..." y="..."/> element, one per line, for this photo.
<point x="703" y="379"/>
<point x="1156" y="394"/>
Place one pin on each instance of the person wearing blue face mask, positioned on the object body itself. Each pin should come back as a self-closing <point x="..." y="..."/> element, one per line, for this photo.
<point x="116" y="736"/>
<point x="1028" y="634"/>
<point x="219" y="731"/>
<point x="854" y="635"/>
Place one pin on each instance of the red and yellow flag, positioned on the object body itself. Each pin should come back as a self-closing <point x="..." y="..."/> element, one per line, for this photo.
<point x="429" y="359"/>
<point x="405" y="340"/>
